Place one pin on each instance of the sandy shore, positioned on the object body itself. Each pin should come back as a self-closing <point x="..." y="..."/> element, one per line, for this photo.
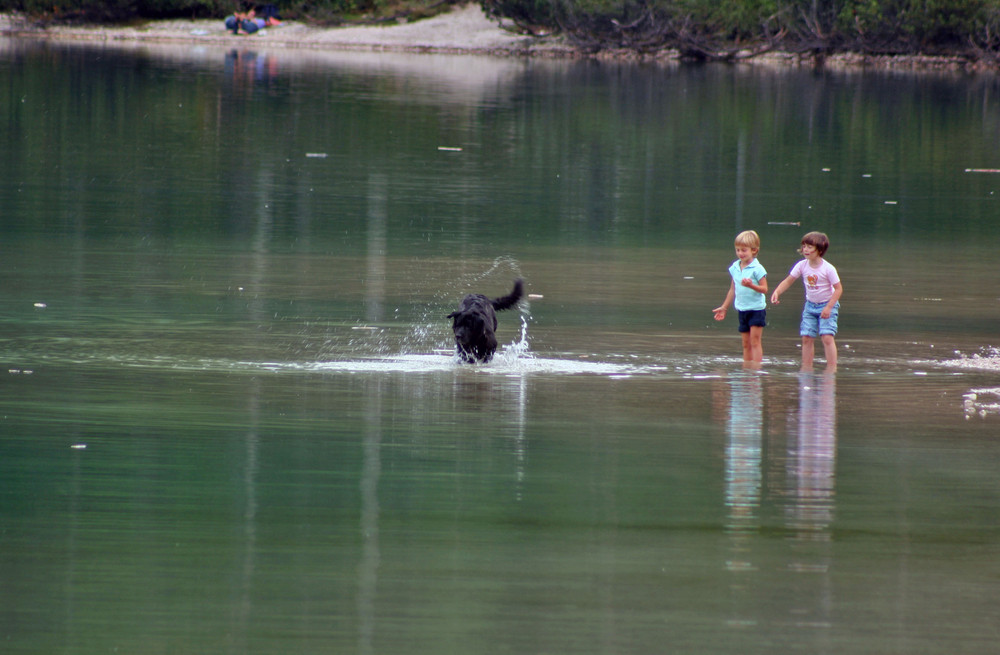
<point x="464" y="30"/>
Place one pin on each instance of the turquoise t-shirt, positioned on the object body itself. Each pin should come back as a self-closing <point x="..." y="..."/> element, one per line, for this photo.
<point x="746" y="298"/>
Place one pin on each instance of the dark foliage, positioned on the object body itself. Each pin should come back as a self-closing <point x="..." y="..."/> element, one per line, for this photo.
<point x="732" y="29"/>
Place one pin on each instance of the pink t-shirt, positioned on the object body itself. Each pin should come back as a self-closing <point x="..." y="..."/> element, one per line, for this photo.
<point x="818" y="281"/>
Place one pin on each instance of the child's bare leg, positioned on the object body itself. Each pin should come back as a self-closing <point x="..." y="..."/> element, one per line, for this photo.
<point x="808" y="348"/>
<point x="752" y="353"/>
<point x="756" y="343"/>
<point x="747" y="347"/>
<point x="830" y="350"/>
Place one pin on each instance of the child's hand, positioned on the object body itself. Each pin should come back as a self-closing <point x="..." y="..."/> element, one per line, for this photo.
<point x="825" y="313"/>
<point x="720" y="313"/>
<point x="775" y="297"/>
<point x="747" y="282"/>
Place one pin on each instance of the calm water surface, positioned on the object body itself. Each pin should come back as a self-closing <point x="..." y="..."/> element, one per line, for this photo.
<point x="230" y="421"/>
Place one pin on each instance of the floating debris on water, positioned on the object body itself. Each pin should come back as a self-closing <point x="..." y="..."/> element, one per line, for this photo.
<point x="449" y="148"/>
<point x="535" y="296"/>
<point x="316" y="155"/>
<point x="982" y="170"/>
<point x="890" y="202"/>
<point x="79" y="446"/>
<point x="739" y="565"/>
<point x="364" y="327"/>
<point x="40" y="305"/>
<point x="802" y="567"/>
<point x="795" y="223"/>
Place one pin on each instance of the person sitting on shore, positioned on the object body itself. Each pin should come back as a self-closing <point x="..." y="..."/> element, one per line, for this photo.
<point x="248" y="22"/>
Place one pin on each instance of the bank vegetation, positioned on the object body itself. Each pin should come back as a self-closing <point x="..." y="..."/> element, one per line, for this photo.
<point x="710" y="30"/>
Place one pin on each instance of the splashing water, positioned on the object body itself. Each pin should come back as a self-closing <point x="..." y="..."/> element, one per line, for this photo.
<point x="516" y="350"/>
<point x="988" y="358"/>
<point x="981" y="402"/>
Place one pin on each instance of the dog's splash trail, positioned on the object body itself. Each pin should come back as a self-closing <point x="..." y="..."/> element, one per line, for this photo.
<point x="517" y="350"/>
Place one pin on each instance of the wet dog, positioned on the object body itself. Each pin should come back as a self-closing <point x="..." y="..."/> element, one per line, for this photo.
<point x="475" y="324"/>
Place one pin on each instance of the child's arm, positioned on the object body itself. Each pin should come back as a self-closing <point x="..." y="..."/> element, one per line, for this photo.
<point x="838" y="290"/>
<point x="720" y="311"/>
<point x="782" y="288"/>
<point x="759" y="288"/>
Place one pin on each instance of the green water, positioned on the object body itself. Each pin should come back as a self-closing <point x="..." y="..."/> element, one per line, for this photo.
<point x="230" y="422"/>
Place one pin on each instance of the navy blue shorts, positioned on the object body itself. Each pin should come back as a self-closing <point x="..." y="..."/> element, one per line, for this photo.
<point x="752" y="318"/>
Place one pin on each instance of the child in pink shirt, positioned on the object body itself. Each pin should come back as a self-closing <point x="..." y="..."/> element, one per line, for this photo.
<point x="823" y="291"/>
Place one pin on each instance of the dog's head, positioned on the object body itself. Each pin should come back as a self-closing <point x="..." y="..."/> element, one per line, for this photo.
<point x="469" y="326"/>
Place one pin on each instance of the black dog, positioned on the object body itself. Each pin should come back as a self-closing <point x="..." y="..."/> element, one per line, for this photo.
<point x="476" y="323"/>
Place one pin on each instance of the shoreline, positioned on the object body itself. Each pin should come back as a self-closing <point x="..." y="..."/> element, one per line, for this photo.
<point x="464" y="30"/>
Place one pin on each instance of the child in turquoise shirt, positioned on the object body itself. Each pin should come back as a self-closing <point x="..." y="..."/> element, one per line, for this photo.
<point x="748" y="288"/>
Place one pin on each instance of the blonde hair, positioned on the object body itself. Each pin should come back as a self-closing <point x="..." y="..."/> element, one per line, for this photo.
<point x="748" y="239"/>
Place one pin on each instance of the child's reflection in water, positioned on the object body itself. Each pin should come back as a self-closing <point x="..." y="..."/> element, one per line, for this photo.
<point x="806" y="493"/>
<point x="744" y="429"/>
<point x="811" y="465"/>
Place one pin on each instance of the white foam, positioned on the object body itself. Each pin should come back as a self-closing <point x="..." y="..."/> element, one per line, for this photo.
<point x="505" y="363"/>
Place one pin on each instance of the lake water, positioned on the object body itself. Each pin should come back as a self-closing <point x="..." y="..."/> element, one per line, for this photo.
<point x="230" y="420"/>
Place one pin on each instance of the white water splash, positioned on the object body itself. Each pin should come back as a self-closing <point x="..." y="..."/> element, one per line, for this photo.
<point x="513" y="359"/>
<point x="987" y="358"/>
<point x="981" y="402"/>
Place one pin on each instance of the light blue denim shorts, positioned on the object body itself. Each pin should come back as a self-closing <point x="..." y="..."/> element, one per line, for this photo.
<point x="812" y="325"/>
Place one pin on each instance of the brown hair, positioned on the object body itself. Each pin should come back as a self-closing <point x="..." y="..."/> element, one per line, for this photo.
<point x="817" y="240"/>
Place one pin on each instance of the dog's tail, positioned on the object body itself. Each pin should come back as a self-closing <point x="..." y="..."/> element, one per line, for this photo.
<point x="511" y="298"/>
